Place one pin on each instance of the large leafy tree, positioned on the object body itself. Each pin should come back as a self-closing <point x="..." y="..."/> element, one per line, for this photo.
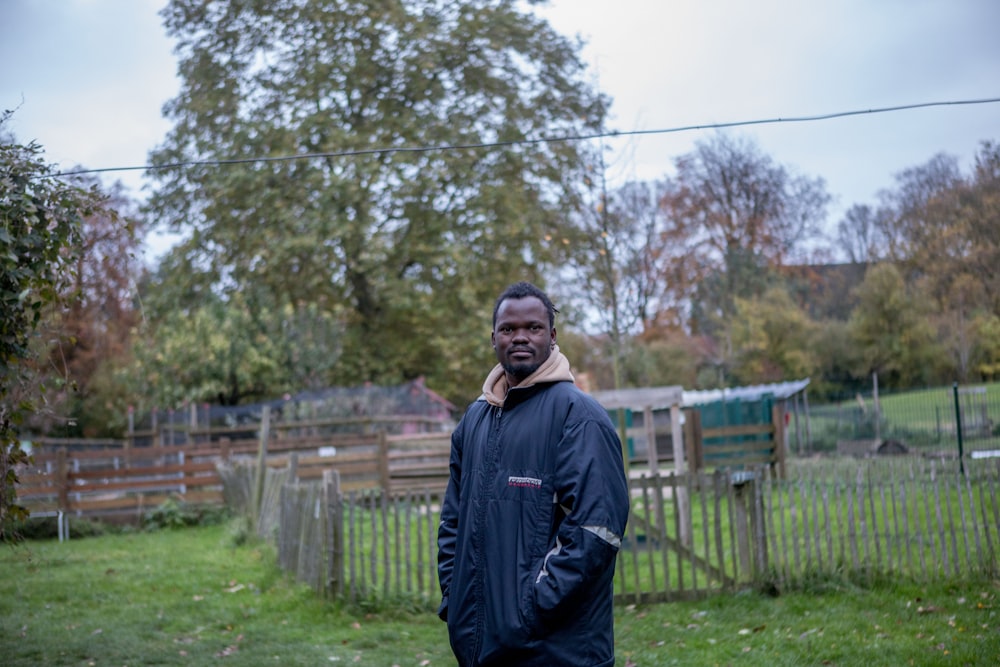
<point x="614" y="282"/>
<point x="923" y="227"/>
<point x="774" y="338"/>
<point x="92" y="333"/>
<point x="736" y="215"/>
<point x="891" y="331"/>
<point x="40" y="220"/>
<point x="942" y="227"/>
<point x="859" y="235"/>
<point x="981" y="216"/>
<point x="384" y="224"/>
<point x="231" y="351"/>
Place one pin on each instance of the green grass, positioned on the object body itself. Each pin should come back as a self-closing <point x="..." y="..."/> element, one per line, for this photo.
<point x="186" y="597"/>
<point x="192" y="597"/>
<point x="898" y="624"/>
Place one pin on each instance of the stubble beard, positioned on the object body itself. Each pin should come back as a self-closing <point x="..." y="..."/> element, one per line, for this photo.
<point x="520" y="372"/>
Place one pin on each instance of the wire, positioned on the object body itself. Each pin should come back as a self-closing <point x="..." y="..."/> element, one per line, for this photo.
<point x="540" y="140"/>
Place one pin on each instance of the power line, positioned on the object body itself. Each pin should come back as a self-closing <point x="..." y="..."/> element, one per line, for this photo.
<point x="539" y="140"/>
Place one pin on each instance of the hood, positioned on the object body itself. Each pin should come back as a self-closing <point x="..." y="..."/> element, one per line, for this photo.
<point x="554" y="369"/>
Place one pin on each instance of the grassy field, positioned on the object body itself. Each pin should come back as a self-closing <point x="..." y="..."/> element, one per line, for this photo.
<point x="202" y="596"/>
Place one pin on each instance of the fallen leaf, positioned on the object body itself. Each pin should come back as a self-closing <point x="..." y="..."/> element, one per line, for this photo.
<point x="231" y="649"/>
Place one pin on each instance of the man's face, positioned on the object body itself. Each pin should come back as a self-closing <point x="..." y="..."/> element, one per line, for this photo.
<point x="522" y="336"/>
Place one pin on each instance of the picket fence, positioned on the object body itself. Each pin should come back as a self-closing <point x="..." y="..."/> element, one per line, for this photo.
<point x="688" y="536"/>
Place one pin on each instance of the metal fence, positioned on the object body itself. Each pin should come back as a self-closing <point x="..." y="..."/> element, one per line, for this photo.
<point x="939" y="421"/>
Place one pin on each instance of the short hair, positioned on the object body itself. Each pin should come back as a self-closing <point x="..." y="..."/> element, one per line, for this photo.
<point x="522" y="290"/>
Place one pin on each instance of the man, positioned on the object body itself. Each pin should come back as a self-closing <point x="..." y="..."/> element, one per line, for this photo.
<point x="535" y="508"/>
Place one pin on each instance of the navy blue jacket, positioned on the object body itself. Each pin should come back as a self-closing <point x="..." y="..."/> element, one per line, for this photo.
<point x="530" y="529"/>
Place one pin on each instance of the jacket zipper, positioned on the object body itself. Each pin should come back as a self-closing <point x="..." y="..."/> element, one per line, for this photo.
<point x="487" y="492"/>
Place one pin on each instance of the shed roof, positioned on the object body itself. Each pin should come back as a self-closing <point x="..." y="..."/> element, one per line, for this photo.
<point x="660" y="398"/>
<point x="656" y="398"/>
<point x="779" y="390"/>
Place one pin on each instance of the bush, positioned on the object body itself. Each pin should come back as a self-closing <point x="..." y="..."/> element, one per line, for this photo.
<point x="47" y="528"/>
<point x="177" y="514"/>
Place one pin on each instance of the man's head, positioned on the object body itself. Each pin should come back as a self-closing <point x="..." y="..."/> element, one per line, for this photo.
<point x="524" y="330"/>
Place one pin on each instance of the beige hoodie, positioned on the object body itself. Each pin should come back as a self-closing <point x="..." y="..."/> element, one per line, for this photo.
<point x="554" y="369"/>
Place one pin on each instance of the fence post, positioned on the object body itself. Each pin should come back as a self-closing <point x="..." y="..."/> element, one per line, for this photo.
<point x="652" y="455"/>
<point x="62" y="479"/>
<point x="680" y="469"/>
<point x="692" y="440"/>
<point x="265" y="433"/>
<point x="333" y="504"/>
<point x="751" y="536"/>
<point x="383" y="461"/>
<point x="193" y="421"/>
<point x="778" y="424"/>
<point x="130" y="438"/>
<point x="757" y="523"/>
<point x="958" y="427"/>
<point x="743" y="490"/>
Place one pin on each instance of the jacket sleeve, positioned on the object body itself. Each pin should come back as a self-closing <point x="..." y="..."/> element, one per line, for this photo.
<point x="448" y="528"/>
<point x="592" y="492"/>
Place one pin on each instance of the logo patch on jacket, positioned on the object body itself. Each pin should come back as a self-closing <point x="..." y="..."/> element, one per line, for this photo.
<point x="528" y="482"/>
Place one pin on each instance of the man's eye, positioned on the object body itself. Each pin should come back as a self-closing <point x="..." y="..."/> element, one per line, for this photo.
<point x="505" y="330"/>
<point x="536" y="328"/>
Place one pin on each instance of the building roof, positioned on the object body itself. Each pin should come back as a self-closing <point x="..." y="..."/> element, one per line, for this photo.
<point x="779" y="390"/>
<point x="661" y="398"/>
<point x="657" y="398"/>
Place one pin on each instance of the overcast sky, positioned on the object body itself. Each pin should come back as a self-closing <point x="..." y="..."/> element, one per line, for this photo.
<point x="88" y="79"/>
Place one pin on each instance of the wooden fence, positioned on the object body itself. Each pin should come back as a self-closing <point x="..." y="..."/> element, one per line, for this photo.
<point x="909" y="517"/>
<point x="356" y="515"/>
<point x="706" y="449"/>
<point x="118" y="482"/>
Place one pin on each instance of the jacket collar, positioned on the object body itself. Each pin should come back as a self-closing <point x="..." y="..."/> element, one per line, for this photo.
<point x="554" y="369"/>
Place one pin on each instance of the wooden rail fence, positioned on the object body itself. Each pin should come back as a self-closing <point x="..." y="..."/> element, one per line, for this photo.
<point x="118" y="482"/>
